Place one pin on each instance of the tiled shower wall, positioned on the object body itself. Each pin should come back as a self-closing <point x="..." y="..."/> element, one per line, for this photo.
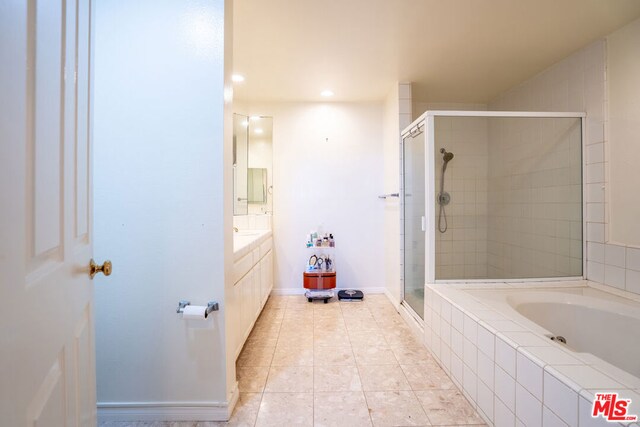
<point x="461" y="251"/>
<point x="578" y="83"/>
<point x="535" y="197"/>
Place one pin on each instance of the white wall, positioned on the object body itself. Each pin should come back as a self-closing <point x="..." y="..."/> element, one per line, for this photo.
<point x="579" y="83"/>
<point x="396" y="116"/>
<point x="162" y="206"/>
<point x="623" y="48"/>
<point x="328" y="172"/>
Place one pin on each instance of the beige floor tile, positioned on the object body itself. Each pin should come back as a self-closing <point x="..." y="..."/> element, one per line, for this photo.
<point x="246" y="410"/>
<point x="285" y="409"/>
<point x="290" y="379"/>
<point x="395" y="408"/>
<point x="276" y="301"/>
<point x="340" y="409"/>
<point x="396" y="339"/>
<point x="295" y="340"/>
<point x="252" y="378"/>
<point x="262" y="340"/>
<point x="367" y="338"/>
<point x="382" y="378"/>
<point x="427" y="377"/>
<point x="273" y="313"/>
<point x="330" y="339"/>
<point x="293" y="356"/>
<point x="333" y="356"/>
<point x="447" y="407"/>
<point x="412" y="354"/>
<point x="336" y="378"/>
<point x="374" y="356"/>
<point x="256" y="356"/>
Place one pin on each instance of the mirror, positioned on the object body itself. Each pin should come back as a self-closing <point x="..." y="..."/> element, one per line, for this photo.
<point x="240" y="163"/>
<point x="257" y="179"/>
<point x="252" y="164"/>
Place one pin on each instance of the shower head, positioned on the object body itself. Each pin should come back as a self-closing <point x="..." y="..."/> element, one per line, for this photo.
<point x="446" y="156"/>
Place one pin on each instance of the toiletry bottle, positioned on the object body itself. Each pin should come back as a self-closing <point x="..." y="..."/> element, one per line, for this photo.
<point x="332" y="242"/>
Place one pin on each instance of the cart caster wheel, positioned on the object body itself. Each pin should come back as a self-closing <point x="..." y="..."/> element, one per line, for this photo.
<point x="326" y="301"/>
<point x="309" y="299"/>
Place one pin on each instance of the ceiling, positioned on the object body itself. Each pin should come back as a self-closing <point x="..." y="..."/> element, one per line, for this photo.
<point x="452" y="50"/>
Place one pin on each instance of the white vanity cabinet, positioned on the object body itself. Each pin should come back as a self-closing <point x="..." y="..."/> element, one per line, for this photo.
<point x="253" y="281"/>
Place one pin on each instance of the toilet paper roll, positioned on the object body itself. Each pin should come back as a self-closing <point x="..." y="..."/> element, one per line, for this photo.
<point x="194" y="312"/>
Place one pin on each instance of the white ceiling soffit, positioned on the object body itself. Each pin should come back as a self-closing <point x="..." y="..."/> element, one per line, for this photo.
<point x="453" y="50"/>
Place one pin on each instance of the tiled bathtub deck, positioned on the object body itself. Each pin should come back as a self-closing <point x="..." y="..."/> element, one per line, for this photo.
<point x="339" y="364"/>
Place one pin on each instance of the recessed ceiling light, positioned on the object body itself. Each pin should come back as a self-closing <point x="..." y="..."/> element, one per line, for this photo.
<point x="258" y="131"/>
<point x="237" y="78"/>
<point x="326" y="93"/>
<point x="245" y="123"/>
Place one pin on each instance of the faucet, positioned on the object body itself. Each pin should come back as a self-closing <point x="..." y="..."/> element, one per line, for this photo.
<point x="235" y="229"/>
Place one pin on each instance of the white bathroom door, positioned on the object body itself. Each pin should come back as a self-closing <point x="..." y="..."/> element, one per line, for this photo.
<point x="47" y="369"/>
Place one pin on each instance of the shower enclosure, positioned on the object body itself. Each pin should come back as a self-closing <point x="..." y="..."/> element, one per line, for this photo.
<point x="491" y="196"/>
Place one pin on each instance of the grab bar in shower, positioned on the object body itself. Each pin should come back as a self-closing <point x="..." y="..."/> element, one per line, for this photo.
<point x="384" y="196"/>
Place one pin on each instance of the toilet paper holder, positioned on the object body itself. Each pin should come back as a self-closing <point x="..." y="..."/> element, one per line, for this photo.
<point x="211" y="306"/>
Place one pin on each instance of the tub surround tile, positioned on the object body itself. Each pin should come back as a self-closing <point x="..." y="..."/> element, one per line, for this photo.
<point x="506" y="356"/>
<point x="505" y="387"/>
<point x="561" y="399"/>
<point x="549" y="356"/>
<point x="549" y="419"/>
<point x="486" y="370"/>
<point x="529" y="375"/>
<point x="527" y="339"/>
<point x="469" y="383"/>
<point x="503" y="417"/>
<point x="580" y="377"/>
<point x="485" y="400"/>
<point x="528" y="408"/>
<point x="502" y="326"/>
<point x="470" y="329"/>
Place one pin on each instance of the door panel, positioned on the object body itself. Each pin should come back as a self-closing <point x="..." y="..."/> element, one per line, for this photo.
<point x="47" y="366"/>
<point x="413" y="198"/>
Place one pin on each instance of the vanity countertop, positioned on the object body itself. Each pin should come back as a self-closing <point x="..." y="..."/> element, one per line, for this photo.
<point x="244" y="241"/>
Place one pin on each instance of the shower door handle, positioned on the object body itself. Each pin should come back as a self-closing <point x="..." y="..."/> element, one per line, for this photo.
<point x="424" y="224"/>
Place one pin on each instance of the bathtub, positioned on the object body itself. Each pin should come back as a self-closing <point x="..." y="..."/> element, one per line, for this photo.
<point x="495" y="341"/>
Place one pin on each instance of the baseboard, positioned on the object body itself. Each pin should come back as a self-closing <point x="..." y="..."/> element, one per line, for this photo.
<point x="166" y="411"/>
<point x="392" y="299"/>
<point x="301" y="291"/>
<point x="417" y="328"/>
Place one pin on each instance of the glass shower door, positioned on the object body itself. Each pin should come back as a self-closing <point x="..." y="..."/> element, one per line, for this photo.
<point x="413" y="196"/>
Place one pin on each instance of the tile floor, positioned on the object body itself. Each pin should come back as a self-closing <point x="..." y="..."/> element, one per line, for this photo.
<point x="338" y="364"/>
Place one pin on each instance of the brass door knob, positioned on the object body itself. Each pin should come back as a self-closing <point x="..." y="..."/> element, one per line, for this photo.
<point x="94" y="268"/>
